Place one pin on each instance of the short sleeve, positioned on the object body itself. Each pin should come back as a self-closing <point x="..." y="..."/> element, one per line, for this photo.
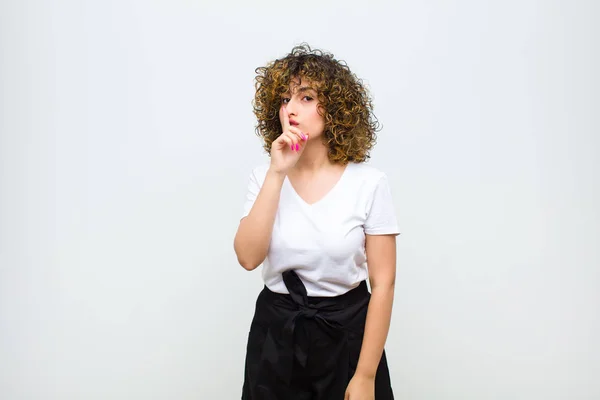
<point x="381" y="214"/>
<point x="251" y="193"/>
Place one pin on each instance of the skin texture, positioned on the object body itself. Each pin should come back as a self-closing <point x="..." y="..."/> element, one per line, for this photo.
<point x="314" y="117"/>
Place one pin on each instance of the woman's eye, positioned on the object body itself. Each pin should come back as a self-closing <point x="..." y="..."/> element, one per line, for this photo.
<point x="285" y="100"/>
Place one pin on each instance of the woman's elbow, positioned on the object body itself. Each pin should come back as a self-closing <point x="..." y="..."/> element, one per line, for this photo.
<point x="248" y="265"/>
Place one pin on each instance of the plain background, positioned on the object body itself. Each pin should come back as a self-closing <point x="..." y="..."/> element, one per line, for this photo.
<point x="127" y="137"/>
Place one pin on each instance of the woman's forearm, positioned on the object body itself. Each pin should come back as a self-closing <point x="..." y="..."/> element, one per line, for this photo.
<point x="377" y="327"/>
<point x="253" y="236"/>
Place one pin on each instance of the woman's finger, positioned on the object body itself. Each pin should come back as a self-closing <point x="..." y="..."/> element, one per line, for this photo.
<point x="301" y="135"/>
<point x="285" y="141"/>
<point x="293" y="138"/>
<point x="284" y="118"/>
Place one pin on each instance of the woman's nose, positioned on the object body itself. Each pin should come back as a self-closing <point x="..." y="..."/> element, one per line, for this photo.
<point x="291" y="107"/>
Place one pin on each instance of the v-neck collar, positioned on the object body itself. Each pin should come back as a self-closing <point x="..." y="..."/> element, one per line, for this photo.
<point x="326" y="195"/>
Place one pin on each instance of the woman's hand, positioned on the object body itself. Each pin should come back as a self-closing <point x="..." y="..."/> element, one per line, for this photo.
<point x="287" y="148"/>
<point x="360" y="388"/>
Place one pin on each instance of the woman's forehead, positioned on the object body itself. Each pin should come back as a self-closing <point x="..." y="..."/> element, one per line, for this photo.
<point x="299" y="84"/>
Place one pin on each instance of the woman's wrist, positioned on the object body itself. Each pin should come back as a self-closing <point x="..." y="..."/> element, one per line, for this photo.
<point x="276" y="173"/>
<point x="364" y="374"/>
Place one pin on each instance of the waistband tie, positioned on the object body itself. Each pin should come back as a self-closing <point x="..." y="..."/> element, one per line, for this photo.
<point x="281" y="356"/>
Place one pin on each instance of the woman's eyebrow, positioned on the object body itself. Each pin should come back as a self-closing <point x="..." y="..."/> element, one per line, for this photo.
<point x="305" y="89"/>
<point x="301" y="90"/>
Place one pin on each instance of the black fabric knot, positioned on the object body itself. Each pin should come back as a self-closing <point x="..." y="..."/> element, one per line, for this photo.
<point x="308" y="312"/>
<point x="282" y="348"/>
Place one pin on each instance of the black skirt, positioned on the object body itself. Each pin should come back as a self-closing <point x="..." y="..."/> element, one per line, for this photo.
<point x="307" y="348"/>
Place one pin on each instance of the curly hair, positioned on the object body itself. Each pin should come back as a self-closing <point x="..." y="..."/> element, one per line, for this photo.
<point x="343" y="102"/>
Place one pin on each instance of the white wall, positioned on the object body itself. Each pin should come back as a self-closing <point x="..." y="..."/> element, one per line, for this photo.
<point x="127" y="135"/>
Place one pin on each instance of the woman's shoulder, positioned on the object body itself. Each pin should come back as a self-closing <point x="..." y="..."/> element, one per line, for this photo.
<point x="259" y="172"/>
<point x="366" y="173"/>
<point x="359" y="172"/>
<point x="261" y="168"/>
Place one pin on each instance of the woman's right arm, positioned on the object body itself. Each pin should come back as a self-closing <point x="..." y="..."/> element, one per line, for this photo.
<point x="253" y="236"/>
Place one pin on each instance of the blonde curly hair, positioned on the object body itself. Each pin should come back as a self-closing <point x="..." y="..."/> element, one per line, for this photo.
<point x="343" y="102"/>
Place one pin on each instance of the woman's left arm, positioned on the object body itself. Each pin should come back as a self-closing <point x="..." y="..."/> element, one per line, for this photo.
<point x="381" y="259"/>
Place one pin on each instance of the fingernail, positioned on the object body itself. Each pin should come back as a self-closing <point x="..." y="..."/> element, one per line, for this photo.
<point x="292" y="147"/>
<point x="303" y="137"/>
<point x="297" y="147"/>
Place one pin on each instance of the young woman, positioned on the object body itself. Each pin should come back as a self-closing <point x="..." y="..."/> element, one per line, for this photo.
<point x="315" y="216"/>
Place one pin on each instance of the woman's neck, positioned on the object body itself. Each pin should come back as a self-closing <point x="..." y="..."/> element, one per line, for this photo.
<point x="314" y="158"/>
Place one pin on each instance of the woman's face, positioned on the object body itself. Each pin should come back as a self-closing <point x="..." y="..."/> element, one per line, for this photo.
<point x="302" y="104"/>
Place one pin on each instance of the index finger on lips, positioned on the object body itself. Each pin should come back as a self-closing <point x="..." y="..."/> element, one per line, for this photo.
<point x="284" y="118"/>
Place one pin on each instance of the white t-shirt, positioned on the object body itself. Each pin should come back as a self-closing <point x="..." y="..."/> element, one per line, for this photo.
<point x="324" y="242"/>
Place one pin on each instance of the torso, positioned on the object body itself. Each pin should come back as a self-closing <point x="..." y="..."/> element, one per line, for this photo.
<point x="319" y="229"/>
